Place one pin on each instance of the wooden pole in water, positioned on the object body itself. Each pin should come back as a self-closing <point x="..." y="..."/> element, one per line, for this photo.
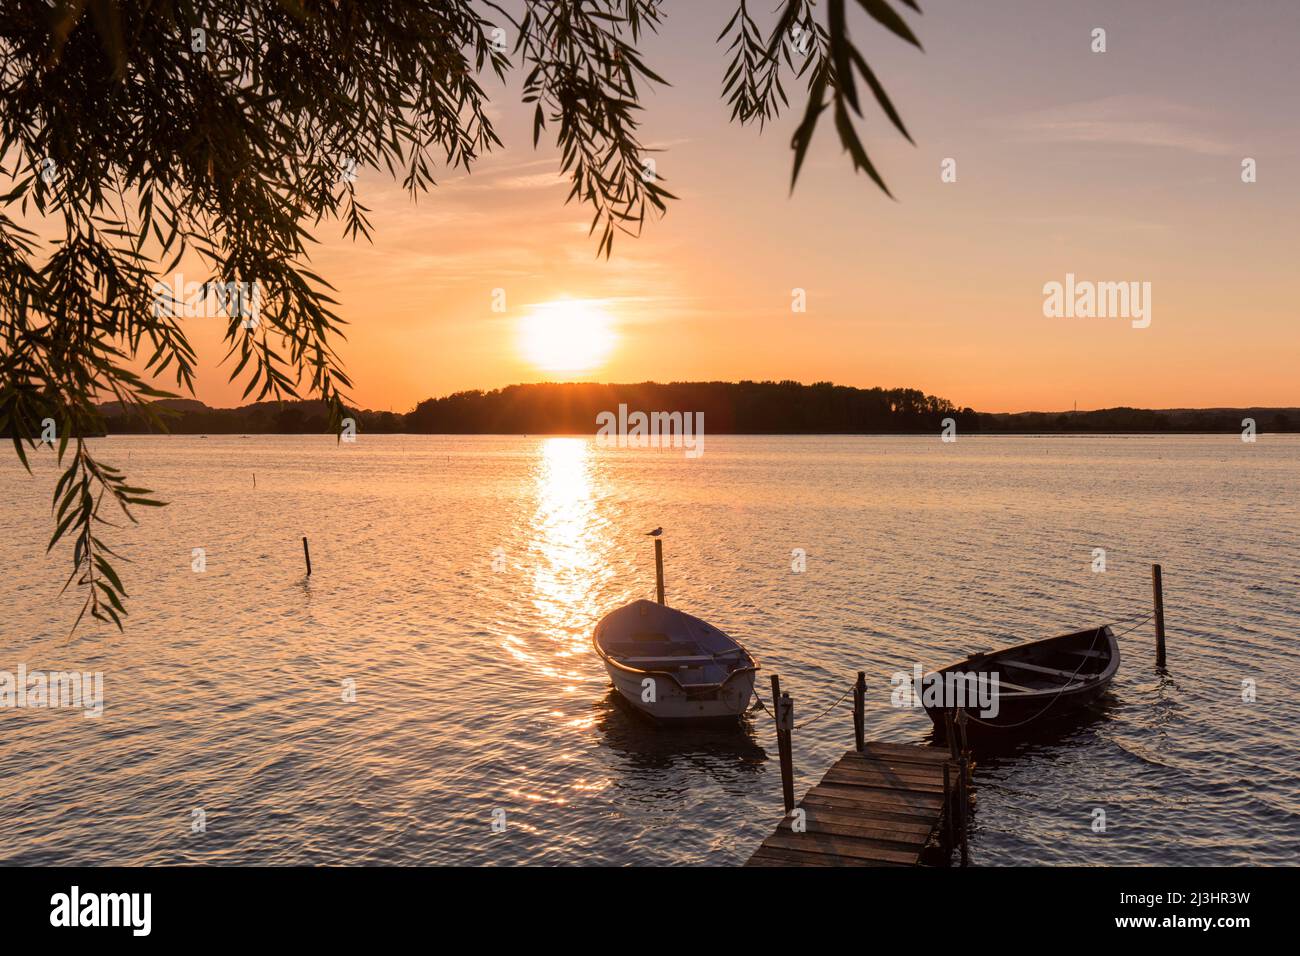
<point x="963" y="783"/>
<point x="783" y="708"/>
<point x="659" y="569"/>
<point x="1158" y="594"/>
<point x="306" y="554"/>
<point x="949" y="807"/>
<point x="963" y="798"/>
<point x="859" y="711"/>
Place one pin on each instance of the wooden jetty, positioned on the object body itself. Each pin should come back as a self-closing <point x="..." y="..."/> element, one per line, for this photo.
<point x="880" y="807"/>
<point x="881" y="804"/>
<point x="885" y="804"/>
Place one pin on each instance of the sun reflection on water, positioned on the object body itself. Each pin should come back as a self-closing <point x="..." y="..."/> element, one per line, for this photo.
<point x="569" y="548"/>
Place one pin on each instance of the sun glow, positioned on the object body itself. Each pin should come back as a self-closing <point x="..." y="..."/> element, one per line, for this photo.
<point x="568" y="335"/>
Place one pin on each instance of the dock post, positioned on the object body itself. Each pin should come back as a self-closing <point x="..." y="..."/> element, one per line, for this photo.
<point x="963" y="783"/>
<point x="1158" y="595"/>
<point x="859" y="711"/>
<point x="949" y="806"/>
<point x="306" y="554"/>
<point x="964" y="800"/>
<point x="783" y="708"/>
<point x="659" y="569"/>
<point x="962" y="718"/>
<point x="950" y="733"/>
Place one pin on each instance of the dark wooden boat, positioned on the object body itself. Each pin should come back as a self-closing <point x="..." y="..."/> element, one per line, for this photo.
<point x="1036" y="682"/>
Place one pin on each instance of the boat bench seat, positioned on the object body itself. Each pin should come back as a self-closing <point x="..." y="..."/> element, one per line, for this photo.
<point x="664" y="661"/>
<point x="1086" y="653"/>
<point x="1038" y="669"/>
<point x="653" y="651"/>
<point x="1007" y="685"/>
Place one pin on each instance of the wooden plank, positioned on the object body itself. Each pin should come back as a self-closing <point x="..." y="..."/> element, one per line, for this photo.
<point x="1004" y="684"/>
<point x="1050" y="671"/>
<point x="900" y="764"/>
<point x="910" y="771"/>
<point x="886" y="781"/>
<point x="919" y="771"/>
<point x="878" y="817"/>
<point x="771" y="856"/>
<point x="905" y="751"/>
<point x="883" y="813"/>
<point x="843" y="847"/>
<point x="833" y="815"/>
<point x="924" y="804"/>
<point x="876" y="834"/>
<point x="904" y="767"/>
<point x="763" y="862"/>
<point x="883" y="793"/>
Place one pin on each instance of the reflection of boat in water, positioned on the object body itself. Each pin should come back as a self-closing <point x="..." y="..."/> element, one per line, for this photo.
<point x="673" y="666"/>
<point x="722" y="750"/>
<point x="1037" y="682"/>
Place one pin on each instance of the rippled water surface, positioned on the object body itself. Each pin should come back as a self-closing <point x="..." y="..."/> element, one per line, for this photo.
<point x="477" y="690"/>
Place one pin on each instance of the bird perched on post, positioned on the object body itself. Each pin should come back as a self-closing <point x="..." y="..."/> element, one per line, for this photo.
<point x="655" y="533"/>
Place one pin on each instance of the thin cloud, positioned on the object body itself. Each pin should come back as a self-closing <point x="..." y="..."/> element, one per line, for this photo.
<point x="1128" y="120"/>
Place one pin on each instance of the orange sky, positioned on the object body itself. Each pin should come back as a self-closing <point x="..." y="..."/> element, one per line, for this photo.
<point x="1118" y="166"/>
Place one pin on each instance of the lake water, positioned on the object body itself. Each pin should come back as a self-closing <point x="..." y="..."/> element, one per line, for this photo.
<point x="477" y="690"/>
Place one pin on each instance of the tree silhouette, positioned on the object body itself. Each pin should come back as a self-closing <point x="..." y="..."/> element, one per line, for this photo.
<point x="147" y="134"/>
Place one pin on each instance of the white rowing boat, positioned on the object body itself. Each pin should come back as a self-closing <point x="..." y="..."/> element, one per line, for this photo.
<point x="673" y="666"/>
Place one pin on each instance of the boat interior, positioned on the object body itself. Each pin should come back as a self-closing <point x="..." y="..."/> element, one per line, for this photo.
<point x="1057" y="664"/>
<point x="650" y="637"/>
<point x="686" y="660"/>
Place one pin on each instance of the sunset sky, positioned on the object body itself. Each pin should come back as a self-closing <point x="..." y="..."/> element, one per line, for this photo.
<point x="1118" y="166"/>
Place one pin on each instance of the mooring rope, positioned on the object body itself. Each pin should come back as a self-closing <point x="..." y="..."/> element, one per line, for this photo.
<point x="1070" y="681"/>
<point x="826" y="711"/>
<point x="762" y="706"/>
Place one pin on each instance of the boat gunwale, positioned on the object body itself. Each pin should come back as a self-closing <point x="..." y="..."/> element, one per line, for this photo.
<point x="1076" y="684"/>
<point x="752" y="668"/>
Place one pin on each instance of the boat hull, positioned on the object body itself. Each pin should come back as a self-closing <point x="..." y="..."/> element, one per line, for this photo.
<point x="665" y="699"/>
<point x="1016" y="713"/>
<point x="1024" y="709"/>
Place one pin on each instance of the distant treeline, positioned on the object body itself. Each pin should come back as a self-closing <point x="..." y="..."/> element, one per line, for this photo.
<point x="746" y="408"/>
<point x="750" y="408"/>
<point x="1122" y="420"/>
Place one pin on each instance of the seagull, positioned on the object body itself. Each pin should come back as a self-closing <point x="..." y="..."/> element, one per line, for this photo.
<point x="655" y="533"/>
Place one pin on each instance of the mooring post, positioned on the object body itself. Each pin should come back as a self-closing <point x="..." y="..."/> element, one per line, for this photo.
<point x="947" y="809"/>
<point x="787" y="775"/>
<point x="962" y="718"/>
<point x="964" y="799"/>
<point x="306" y="554"/>
<point x="783" y="708"/>
<point x="950" y="733"/>
<point x="659" y="569"/>
<point x="1158" y="594"/>
<point x="859" y="711"/>
<point x="963" y="784"/>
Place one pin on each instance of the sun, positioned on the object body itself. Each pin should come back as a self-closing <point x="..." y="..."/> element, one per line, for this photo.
<point x="567" y="335"/>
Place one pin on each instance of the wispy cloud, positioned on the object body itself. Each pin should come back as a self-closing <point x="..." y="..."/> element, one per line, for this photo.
<point x="1127" y="120"/>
